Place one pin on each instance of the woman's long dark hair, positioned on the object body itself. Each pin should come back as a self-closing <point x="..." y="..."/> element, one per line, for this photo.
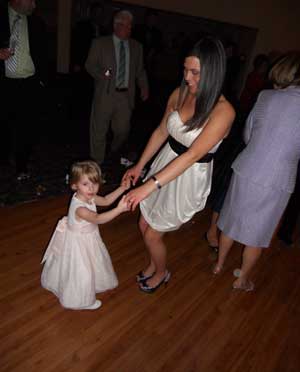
<point x="211" y="55"/>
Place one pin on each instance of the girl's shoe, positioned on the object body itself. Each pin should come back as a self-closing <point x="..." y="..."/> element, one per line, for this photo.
<point x="141" y="277"/>
<point x="146" y="288"/>
<point x="94" y="306"/>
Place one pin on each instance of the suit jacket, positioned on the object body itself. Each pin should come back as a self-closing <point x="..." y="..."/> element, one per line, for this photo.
<point x="272" y="135"/>
<point x="37" y="42"/>
<point x="102" y="57"/>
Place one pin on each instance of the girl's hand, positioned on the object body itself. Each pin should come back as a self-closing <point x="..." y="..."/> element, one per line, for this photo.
<point x="134" y="197"/>
<point x="123" y="205"/>
<point x="132" y="174"/>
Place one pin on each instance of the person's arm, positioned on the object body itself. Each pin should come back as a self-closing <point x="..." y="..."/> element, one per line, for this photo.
<point x="250" y="120"/>
<point x="157" y="138"/>
<point x="111" y="197"/>
<point x="217" y="128"/>
<point x="248" y="128"/>
<point x="101" y="218"/>
<point x="92" y="64"/>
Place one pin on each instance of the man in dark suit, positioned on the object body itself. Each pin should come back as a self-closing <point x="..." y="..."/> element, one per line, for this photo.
<point x="116" y="64"/>
<point x="22" y="77"/>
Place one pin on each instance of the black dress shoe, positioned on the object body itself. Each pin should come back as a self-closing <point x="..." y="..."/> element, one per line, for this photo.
<point x="213" y="247"/>
<point x="140" y="277"/>
<point x="147" y="289"/>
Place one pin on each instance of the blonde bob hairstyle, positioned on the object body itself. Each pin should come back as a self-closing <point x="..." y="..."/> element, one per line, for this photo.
<point x="88" y="168"/>
<point x="286" y="71"/>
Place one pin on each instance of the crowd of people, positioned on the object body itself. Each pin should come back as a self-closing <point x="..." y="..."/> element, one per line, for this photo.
<point x="241" y="160"/>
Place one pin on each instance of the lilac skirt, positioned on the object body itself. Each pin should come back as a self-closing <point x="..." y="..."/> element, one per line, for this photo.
<point x="251" y="212"/>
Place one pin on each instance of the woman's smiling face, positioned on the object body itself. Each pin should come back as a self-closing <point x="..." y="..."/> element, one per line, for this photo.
<point x="192" y="73"/>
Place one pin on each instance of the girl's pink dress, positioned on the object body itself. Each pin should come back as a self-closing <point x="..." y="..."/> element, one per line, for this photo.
<point x="77" y="263"/>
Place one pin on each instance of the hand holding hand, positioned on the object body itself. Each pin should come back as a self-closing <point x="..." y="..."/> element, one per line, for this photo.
<point x="135" y="196"/>
<point x="123" y="205"/>
<point x="132" y="174"/>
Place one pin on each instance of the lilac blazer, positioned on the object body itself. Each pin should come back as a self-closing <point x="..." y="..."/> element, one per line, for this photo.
<point x="272" y="135"/>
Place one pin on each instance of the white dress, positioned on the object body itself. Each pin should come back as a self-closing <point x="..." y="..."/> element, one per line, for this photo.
<point x="77" y="264"/>
<point x="177" y="202"/>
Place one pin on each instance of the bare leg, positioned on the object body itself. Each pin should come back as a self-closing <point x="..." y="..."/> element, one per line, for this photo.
<point x="158" y="254"/>
<point x="250" y="257"/>
<point x="213" y="232"/>
<point x="225" y="244"/>
<point x="150" y="269"/>
<point x="142" y="225"/>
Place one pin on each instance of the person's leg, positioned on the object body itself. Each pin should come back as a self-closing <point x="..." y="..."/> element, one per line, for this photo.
<point x="99" y="125"/>
<point x="8" y="114"/>
<point x="158" y="254"/>
<point x="26" y="134"/>
<point x="213" y="232"/>
<point x="225" y="244"/>
<point x="250" y="258"/>
<point x="25" y="127"/>
<point x="150" y="269"/>
<point x="120" y="123"/>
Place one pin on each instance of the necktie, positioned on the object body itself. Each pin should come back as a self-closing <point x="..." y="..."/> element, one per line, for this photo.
<point x="14" y="45"/>
<point x="122" y="66"/>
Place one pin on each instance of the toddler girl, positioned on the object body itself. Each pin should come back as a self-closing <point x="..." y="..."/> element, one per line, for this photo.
<point x="77" y="264"/>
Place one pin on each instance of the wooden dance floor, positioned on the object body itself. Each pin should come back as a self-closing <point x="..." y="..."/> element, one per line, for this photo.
<point x="195" y="324"/>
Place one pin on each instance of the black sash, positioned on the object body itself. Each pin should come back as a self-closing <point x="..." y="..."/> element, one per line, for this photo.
<point x="180" y="149"/>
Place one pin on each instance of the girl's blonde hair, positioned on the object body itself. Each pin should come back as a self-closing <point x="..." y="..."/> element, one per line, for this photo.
<point x="286" y="70"/>
<point x="89" y="168"/>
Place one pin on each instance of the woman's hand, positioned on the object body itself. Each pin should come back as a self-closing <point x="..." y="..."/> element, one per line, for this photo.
<point x="134" y="197"/>
<point x="133" y="174"/>
<point x="123" y="205"/>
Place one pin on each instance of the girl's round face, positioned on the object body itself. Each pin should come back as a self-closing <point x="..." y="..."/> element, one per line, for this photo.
<point x="86" y="189"/>
<point x="192" y="73"/>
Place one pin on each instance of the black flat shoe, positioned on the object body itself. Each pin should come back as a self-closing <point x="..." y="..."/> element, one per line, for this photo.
<point x="140" y="277"/>
<point x="147" y="289"/>
<point x="213" y="247"/>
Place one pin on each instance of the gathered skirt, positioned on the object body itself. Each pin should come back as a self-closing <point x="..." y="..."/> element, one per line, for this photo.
<point x="77" y="266"/>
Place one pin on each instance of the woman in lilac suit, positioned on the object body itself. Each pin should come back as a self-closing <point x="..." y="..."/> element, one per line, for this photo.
<point x="264" y="173"/>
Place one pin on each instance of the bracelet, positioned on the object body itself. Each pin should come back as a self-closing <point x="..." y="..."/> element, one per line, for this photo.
<point x="157" y="184"/>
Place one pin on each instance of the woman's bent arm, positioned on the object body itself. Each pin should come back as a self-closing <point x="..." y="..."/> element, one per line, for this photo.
<point x="156" y="140"/>
<point x="217" y="128"/>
